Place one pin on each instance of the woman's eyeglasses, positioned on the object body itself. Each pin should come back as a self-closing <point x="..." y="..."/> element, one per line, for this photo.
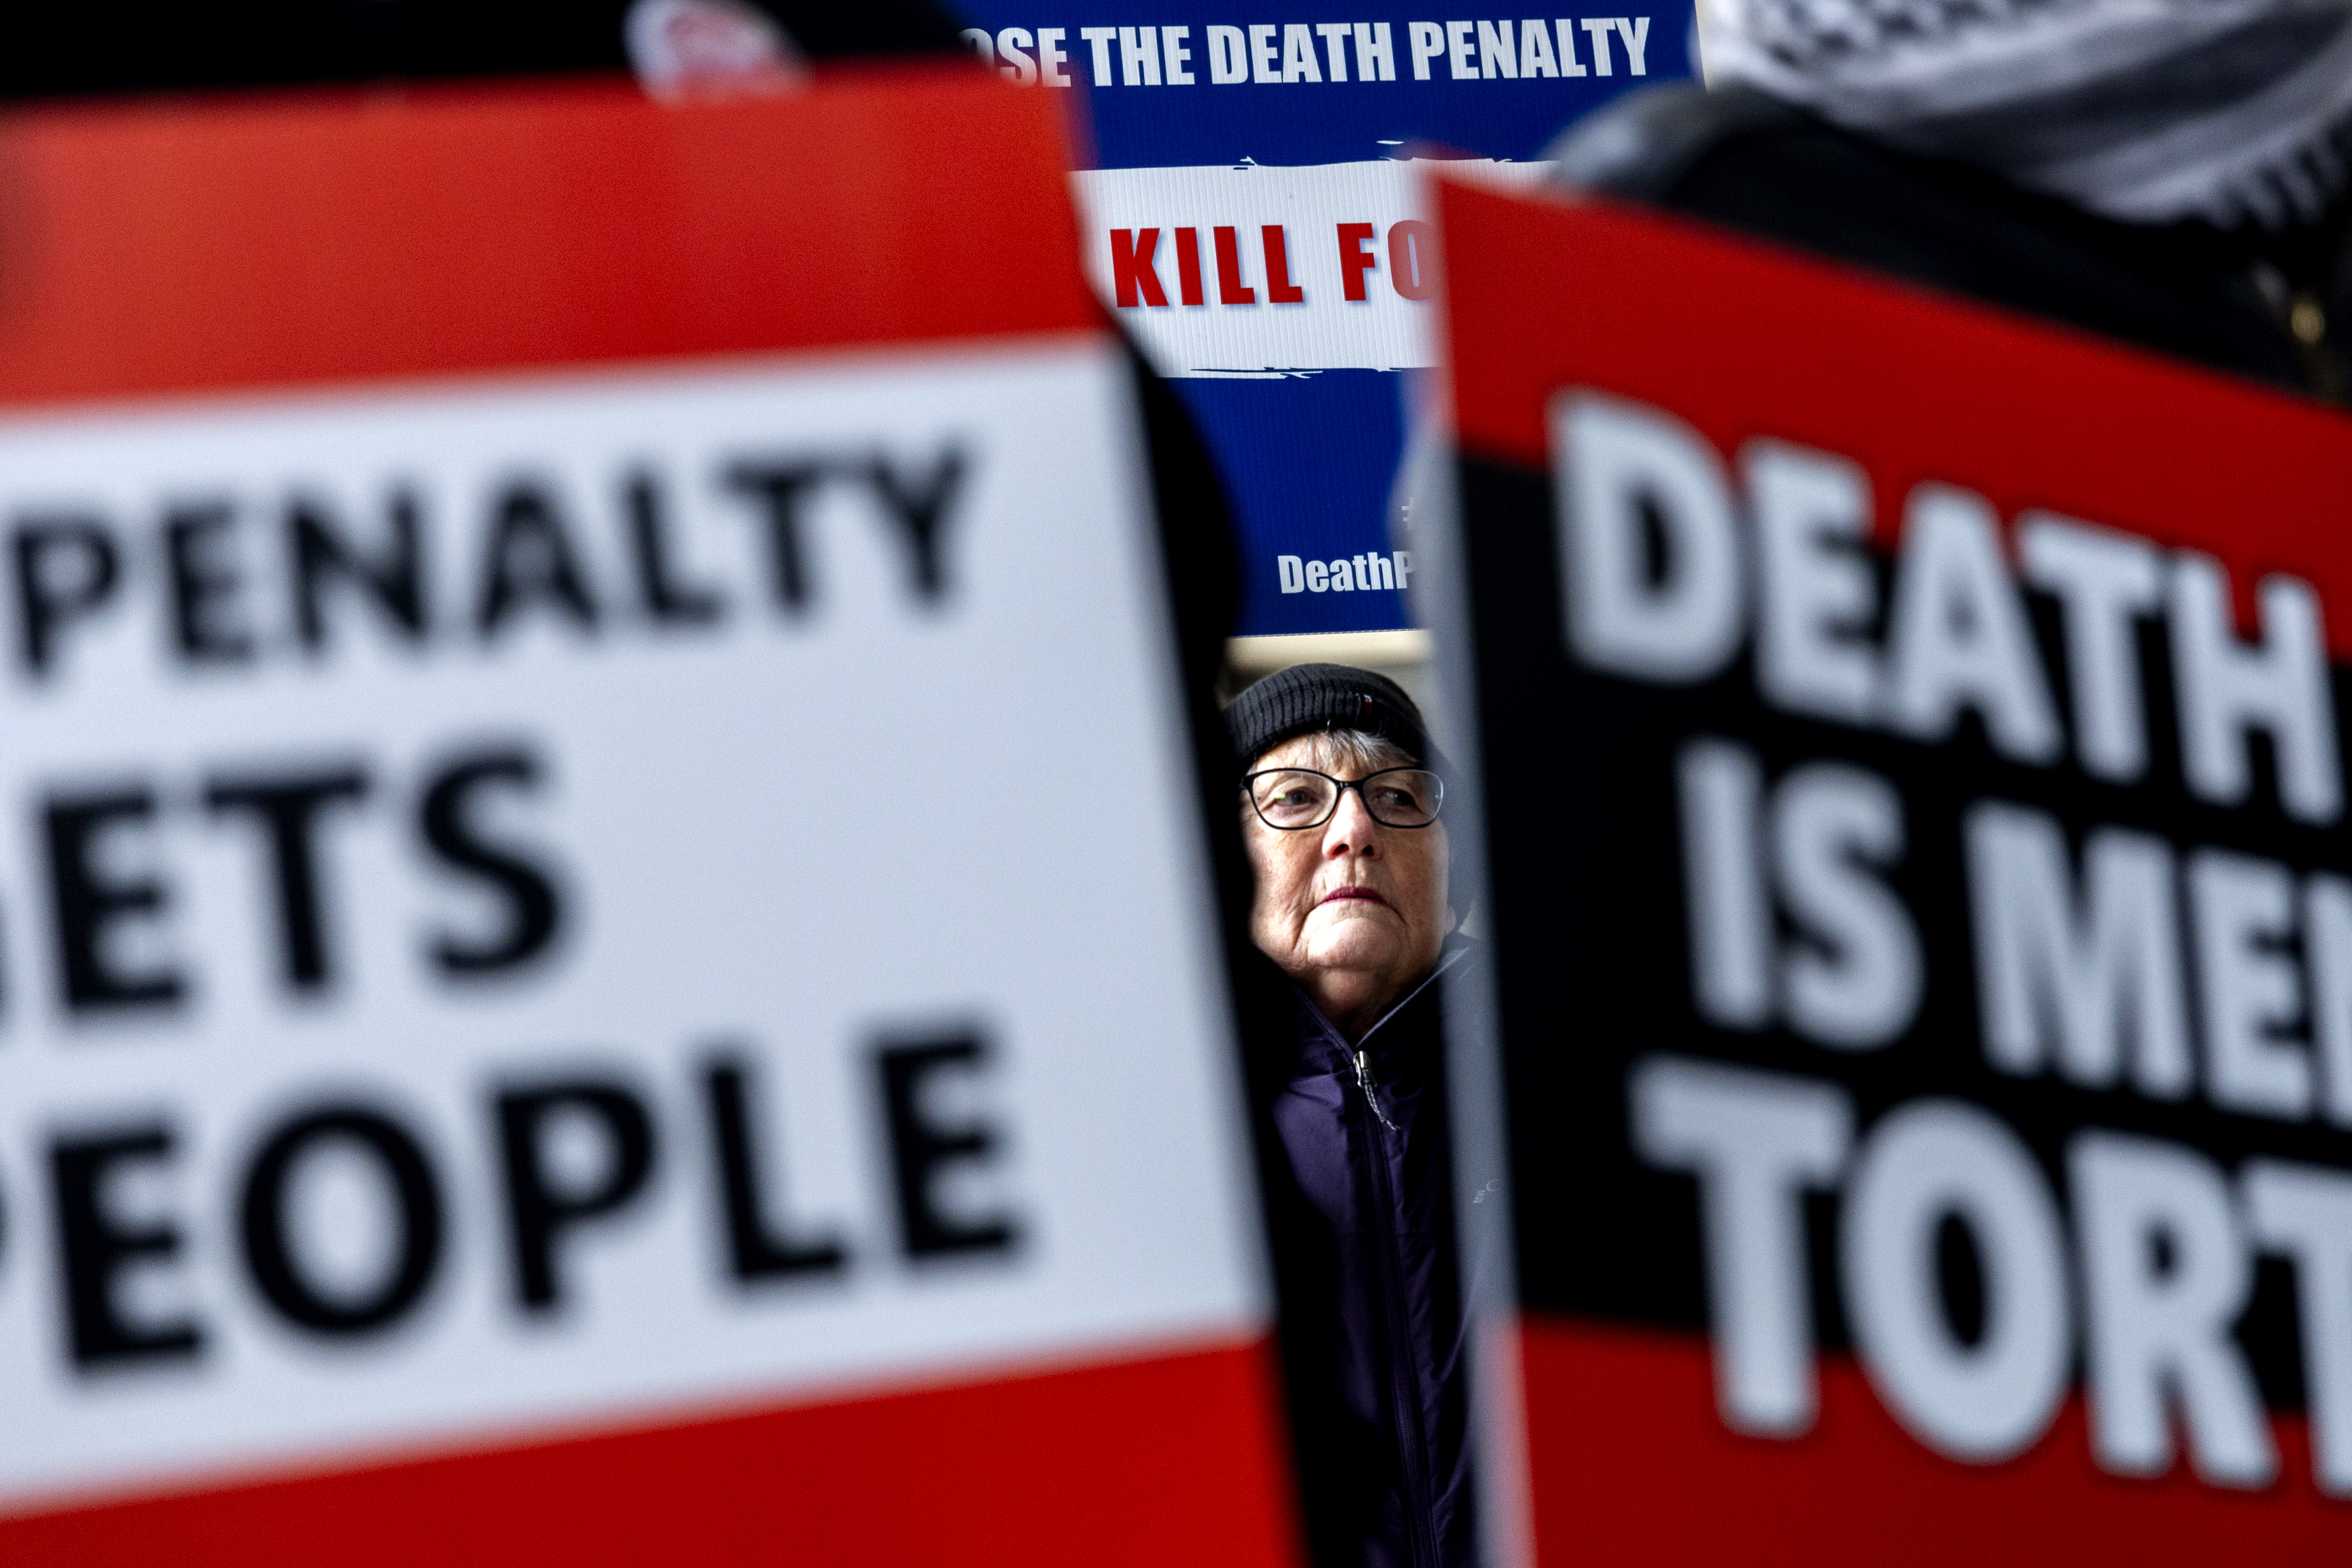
<point x="1292" y="799"/>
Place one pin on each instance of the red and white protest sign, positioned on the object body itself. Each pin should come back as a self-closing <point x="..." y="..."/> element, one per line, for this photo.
<point x="604" y="948"/>
<point x="1915" y="805"/>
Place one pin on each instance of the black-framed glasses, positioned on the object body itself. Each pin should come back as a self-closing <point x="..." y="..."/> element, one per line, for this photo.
<point x="1292" y="799"/>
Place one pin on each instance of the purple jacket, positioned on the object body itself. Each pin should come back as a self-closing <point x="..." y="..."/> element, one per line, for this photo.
<point x="1363" y="1235"/>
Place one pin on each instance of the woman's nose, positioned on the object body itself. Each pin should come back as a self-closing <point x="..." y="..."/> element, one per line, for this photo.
<point x="1351" y="828"/>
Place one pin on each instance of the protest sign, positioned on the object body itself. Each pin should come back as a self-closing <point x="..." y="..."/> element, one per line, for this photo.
<point x="1252" y="218"/>
<point x="558" y="999"/>
<point x="1924" y="1092"/>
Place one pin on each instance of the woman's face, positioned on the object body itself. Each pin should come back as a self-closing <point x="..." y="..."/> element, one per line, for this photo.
<point x="1353" y="912"/>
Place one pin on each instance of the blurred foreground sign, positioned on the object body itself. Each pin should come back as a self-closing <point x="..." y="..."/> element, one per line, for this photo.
<point x="587" y="977"/>
<point x="1927" y="1035"/>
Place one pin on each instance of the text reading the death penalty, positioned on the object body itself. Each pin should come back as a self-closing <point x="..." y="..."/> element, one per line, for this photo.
<point x="2154" y="908"/>
<point x="1276" y="54"/>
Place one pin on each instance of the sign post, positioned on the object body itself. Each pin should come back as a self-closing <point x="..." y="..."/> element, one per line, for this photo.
<point x="585" y="978"/>
<point x="1927" y="1030"/>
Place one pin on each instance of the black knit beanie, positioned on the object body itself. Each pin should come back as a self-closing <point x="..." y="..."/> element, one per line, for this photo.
<point x="1308" y="698"/>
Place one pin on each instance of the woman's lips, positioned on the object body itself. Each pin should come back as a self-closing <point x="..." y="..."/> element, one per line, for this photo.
<point x="1365" y="894"/>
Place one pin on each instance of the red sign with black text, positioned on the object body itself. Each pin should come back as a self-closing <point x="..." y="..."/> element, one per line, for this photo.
<point x="1925" y="1030"/>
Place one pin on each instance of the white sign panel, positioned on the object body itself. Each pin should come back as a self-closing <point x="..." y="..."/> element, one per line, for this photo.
<point x="593" y="892"/>
<point x="1255" y="271"/>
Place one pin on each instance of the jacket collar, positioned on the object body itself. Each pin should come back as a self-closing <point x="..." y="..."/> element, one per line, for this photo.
<point x="1386" y="1036"/>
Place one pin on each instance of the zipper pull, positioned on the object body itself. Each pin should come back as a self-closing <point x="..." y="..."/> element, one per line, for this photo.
<point x="2307" y="323"/>
<point x="1372" y="1090"/>
<point x="2307" y="318"/>
<point x="2304" y="318"/>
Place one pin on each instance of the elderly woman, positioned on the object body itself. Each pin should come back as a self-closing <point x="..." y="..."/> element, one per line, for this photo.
<point x="1340" y="804"/>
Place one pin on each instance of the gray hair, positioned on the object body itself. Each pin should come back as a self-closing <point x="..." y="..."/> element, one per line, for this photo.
<point x="1359" y="749"/>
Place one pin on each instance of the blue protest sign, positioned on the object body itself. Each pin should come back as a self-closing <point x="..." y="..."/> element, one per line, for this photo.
<point x="1250" y="217"/>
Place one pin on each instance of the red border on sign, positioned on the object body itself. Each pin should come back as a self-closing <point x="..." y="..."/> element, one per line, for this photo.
<point x="1627" y="1460"/>
<point x="339" y="237"/>
<point x="1632" y="1467"/>
<point x="1729" y="334"/>
<point x="1172" y="1461"/>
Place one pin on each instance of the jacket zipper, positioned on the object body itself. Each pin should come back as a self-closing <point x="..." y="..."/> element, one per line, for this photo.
<point x="1401" y="1384"/>
<point x="1372" y="1090"/>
